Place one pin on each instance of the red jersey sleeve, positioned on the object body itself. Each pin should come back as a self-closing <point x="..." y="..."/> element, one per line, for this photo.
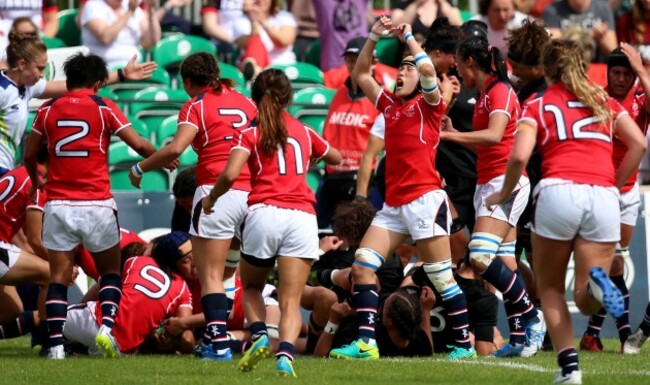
<point x="38" y="125"/>
<point x="186" y="298"/>
<point x="531" y="114"/>
<point x="319" y="147"/>
<point x="502" y="99"/>
<point x="384" y="100"/>
<point x="210" y="6"/>
<point x="616" y="109"/>
<point x="247" y="140"/>
<point x="114" y="117"/>
<point x="190" y="115"/>
<point x="37" y="202"/>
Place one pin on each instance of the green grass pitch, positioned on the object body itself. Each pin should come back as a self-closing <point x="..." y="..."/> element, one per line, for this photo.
<point x="20" y="365"/>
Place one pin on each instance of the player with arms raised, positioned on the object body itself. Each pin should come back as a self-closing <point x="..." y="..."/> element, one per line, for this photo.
<point x="416" y="204"/>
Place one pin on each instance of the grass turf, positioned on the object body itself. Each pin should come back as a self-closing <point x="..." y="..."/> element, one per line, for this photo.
<point x="20" y="365"/>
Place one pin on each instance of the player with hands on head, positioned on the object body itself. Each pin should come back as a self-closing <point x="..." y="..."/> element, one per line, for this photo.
<point x="80" y="208"/>
<point x="415" y="205"/>
<point x="210" y="122"/>
<point x="577" y="206"/>
<point x="281" y="222"/>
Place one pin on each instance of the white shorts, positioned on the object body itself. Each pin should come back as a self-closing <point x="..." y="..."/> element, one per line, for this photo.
<point x="81" y="326"/>
<point x="564" y="209"/>
<point x="9" y="259"/>
<point x="630" y="202"/>
<point x="66" y="224"/>
<point x="226" y="219"/>
<point x="510" y="210"/>
<point x="271" y="231"/>
<point x="425" y="217"/>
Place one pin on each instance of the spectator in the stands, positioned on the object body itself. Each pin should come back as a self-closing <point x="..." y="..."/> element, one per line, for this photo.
<point x="266" y="33"/>
<point x="115" y="30"/>
<point x="340" y="21"/>
<point x="218" y="19"/>
<point x="633" y="27"/>
<point x="593" y="16"/>
<point x="422" y="13"/>
<point x="168" y="19"/>
<point x="500" y="16"/>
<point x="347" y="128"/>
<point x="21" y="25"/>
<point x="43" y="14"/>
<point x="305" y="16"/>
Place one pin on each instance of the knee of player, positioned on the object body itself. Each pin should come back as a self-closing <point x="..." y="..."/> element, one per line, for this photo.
<point x="366" y="263"/>
<point x="483" y="249"/>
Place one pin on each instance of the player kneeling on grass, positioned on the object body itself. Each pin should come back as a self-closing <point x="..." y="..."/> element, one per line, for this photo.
<point x="153" y="289"/>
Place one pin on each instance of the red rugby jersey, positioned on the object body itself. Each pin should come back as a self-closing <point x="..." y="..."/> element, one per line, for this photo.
<point x="15" y="201"/>
<point x="574" y="146"/>
<point x="77" y="127"/>
<point x="499" y="97"/>
<point x="217" y="119"/>
<point x="148" y="296"/>
<point x="412" y="137"/>
<point x="280" y="179"/>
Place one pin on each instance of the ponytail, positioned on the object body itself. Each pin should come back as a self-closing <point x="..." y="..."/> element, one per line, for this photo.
<point x="272" y="92"/>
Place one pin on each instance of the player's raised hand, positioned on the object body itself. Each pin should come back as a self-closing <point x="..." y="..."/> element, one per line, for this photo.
<point x="138" y="71"/>
<point x="382" y="27"/>
<point x="401" y="31"/>
<point x="634" y="57"/>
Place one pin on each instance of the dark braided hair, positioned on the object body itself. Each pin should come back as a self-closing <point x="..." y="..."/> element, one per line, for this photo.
<point x="486" y="57"/>
<point x="271" y="92"/>
<point x="405" y="312"/>
<point x="202" y="69"/>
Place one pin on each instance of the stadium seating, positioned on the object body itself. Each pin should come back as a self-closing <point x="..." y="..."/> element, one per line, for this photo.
<point x="140" y="127"/>
<point x="120" y="159"/>
<point x="53" y="42"/>
<point x="166" y="130"/>
<point x="388" y="51"/>
<point x="313" y="53"/>
<point x="153" y="105"/>
<point x="227" y="71"/>
<point x="301" y="75"/>
<point x="314" y="177"/>
<point x="126" y="91"/>
<point x="466" y="15"/>
<point x="310" y="106"/>
<point x="188" y="158"/>
<point x="170" y="51"/>
<point x="69" y="31"/>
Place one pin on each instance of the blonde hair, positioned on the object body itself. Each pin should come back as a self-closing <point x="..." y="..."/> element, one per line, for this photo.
<point x="563" y="64"/>
<point x="586" y="43"/>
